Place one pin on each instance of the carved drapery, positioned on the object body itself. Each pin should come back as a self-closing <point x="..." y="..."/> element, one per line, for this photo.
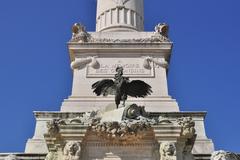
<point x="80" y="63"/>
<point x="157" y="61"/>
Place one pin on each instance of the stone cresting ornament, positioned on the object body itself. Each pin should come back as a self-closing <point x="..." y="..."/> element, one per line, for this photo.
<point x="11" y="157"/>
<point x="72" y="150"/>
<point x="167" y="151"/>
<point x="79" y="33"/>
<point x="224" y="155"/>
<point x="188" y="125"/>
<point x="121" y="87"/>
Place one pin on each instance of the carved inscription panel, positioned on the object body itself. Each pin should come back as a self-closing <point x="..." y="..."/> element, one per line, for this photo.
<point x="133" y="67"/>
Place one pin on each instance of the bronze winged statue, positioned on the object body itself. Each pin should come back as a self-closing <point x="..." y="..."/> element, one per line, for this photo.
<point x="121" y="87"/>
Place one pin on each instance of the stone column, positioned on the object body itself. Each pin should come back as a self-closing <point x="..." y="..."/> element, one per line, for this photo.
<point x="119" y="15"/>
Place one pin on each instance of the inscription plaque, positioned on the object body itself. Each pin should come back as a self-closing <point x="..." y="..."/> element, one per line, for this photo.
<point x="133" y="67"/>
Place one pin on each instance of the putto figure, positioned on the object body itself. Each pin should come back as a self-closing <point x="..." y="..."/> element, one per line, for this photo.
<point x="121" y="87"/>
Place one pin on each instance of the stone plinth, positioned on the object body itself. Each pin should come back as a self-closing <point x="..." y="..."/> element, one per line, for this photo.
<point x="142" y="57"/>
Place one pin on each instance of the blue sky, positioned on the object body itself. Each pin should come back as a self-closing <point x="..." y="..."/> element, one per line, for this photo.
<point x="35" y="73"/>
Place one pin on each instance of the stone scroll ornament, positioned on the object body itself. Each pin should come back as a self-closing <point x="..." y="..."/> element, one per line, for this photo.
<point x="121" y="87"/>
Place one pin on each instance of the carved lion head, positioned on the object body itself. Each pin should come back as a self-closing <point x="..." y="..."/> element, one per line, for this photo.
<point x="167" y="149"/>
<point x="72" y="148"/>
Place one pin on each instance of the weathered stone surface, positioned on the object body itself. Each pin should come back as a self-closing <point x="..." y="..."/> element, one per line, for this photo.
<point x="11" y="157"/>
<point x="224" y="155"/>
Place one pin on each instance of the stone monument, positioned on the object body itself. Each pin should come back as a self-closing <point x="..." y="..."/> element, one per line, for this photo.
<point x="148" y="125"/>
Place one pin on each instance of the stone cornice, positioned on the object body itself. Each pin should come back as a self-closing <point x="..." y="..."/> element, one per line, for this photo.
<point x="44" y="114"/>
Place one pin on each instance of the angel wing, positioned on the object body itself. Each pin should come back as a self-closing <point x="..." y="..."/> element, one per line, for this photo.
<point x="138" y="88"/>
<point x="104" y="87"/>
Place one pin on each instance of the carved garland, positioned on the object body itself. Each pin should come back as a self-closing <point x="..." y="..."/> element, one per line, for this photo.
<point x="80" y="35"/>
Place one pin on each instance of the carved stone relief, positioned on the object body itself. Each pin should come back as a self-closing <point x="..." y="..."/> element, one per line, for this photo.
<point x="79" y="33"/>
<point x="167" y="151"/>
<point x="52" y="127"/>
<point x="132" y="68"/>
<point x="72" y="150"/>
<point x="188" y="125"/>
<point x="81" y="63"/>
<point x="224" y="155"/>
<point x="157" y="61"/>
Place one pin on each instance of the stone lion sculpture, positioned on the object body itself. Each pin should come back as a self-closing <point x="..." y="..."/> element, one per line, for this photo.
<point x="72" y="150"/>
<point x="167" y="151"/>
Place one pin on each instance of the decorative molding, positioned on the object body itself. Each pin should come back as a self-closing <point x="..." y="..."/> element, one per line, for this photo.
<point x="157" y="61"/>
<point x="128" y="131"/>
<point x="224" y="155"/>
<point x="89" y="118"/>
<point x="153" y="39"/>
